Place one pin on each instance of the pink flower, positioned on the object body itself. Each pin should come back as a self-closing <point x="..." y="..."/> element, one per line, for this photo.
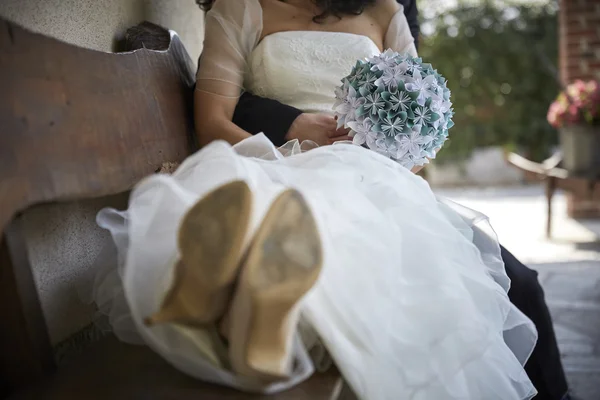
<point x="578" y="103"/>
<point x="573" y="113"/>
<point x="561" y="109"/>
<point x="555" y="113"/>
<point x="593" y="86"/>
<point x="573" y="109"/>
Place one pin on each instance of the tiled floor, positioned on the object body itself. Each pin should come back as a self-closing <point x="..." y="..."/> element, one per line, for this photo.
<point x="573" y="295"/>
<point x="568" y="266"/>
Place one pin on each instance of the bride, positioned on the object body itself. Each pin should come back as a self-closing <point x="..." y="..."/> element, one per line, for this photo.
<point x="250" y="260"/>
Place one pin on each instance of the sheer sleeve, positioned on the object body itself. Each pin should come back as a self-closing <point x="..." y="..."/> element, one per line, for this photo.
<point x="233" y="29"/>
<point x="398" y="36"/>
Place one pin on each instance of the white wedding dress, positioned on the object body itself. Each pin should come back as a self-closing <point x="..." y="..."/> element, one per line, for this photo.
<point x="412" y="300"/>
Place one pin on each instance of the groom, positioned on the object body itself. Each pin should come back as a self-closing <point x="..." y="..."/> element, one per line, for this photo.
<point x="280" y="123"/>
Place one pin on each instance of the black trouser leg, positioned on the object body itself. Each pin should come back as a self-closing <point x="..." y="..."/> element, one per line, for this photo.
<point x="544" y="367"/>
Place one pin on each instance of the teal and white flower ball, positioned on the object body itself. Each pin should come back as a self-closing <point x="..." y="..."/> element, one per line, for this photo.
<point x="396" y="105"/>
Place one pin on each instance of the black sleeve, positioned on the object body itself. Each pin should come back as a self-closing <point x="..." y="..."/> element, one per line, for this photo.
<point x="412" y="16"/>
<point x="257" y="114"/>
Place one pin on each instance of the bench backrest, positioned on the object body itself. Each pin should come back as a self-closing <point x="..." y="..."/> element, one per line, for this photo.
<point x="75" y="124"/>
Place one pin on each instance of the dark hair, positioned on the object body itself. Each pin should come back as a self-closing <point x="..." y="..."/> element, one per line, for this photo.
<point x="336" y="8"/>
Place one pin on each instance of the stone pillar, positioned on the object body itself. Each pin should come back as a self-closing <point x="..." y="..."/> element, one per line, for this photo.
<point x="579" y="58"/>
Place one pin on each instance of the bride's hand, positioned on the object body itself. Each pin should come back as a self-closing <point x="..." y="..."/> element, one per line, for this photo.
<point x="320" y="128"/>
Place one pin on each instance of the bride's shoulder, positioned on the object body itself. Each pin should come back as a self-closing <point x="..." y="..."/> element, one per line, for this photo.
<point x="241" y="12"/>
<point x="383" y="11"/>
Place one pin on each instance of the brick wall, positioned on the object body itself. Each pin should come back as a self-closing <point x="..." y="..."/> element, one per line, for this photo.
<point x="579" y="58"/>
<point x="579" y="39"/>
<point x="584" y="202"/>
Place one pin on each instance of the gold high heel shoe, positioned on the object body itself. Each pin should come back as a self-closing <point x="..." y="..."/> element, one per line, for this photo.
<point x="211" y="241"/>
<point x="283" y="263"/>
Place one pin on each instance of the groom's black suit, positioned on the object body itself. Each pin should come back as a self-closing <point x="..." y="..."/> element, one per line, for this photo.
<point x="256" y="114"/>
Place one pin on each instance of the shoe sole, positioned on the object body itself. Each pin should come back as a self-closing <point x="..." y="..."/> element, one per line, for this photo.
<point x="210" y="239"/>
<point x="283" y="263"/>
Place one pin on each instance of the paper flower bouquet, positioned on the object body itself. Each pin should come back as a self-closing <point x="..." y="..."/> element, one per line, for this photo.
<point x="396" y="105"/>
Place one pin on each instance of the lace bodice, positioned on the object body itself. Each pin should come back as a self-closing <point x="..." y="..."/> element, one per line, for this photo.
<point x="302" y="68"/>
<point x="299" y="68"/>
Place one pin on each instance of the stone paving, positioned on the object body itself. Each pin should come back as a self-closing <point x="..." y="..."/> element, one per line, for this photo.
<point x="568" y="266"/>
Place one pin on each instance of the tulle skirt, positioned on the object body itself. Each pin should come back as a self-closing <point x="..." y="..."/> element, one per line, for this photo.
<point x="412" y="299"/>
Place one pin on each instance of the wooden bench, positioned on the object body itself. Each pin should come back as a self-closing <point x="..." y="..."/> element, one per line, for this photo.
<point x="79" y="124"/>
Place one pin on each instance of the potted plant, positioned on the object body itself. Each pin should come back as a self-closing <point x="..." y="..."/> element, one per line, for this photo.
<point x="576" y="114"/>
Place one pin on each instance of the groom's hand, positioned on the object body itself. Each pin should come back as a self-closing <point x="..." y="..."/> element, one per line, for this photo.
<point x="320" y="128"/>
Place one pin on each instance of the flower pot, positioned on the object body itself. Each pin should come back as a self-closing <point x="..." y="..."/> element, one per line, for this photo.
<point x="581" y="148"/>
